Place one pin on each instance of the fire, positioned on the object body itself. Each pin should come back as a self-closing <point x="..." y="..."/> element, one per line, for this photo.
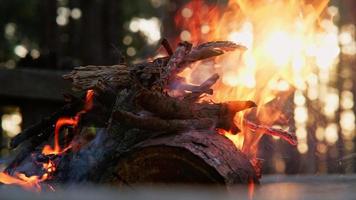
<point x="283" y="41"/>
<point x="49" y="167"/>
<point x="32" y="182"/>
<point x="68" y="121"/>
<point x="251" y="189"/>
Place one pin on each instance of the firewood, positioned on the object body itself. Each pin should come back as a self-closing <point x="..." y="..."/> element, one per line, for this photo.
<point x="185" y="55"/>
<point x="191" y="92"/>
<point x="168" y="107"/>
<point x="211" y="49"/>
<point x="147" y="73"/>
<point x="171" y="108"/>
<point x="167" y="46"/>
<point x="195" y="157"/>
<point x="157" y="124"/>
<point x="133" y="105"/>
<point x="87" y="77"/>
<point x="173" y="65"/>
<point x="291" y="138"/>
<point x="205" y="87"/>
<point x="157" y="73"/>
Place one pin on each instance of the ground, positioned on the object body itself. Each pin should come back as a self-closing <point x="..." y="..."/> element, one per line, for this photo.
<point x="272" y="187"/>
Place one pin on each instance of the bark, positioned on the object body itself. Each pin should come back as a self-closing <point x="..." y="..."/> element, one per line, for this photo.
<point x="189" y="157"/>
<point x="157" y="124"/>
<point x="173" y="65"/>
<point x="171" y="108"/>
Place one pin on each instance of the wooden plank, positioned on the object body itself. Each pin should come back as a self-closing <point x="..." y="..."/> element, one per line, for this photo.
<point x="33" y="83"/>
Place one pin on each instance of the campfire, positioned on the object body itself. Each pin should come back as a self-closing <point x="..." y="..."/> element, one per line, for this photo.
<point x="193" y="115"/>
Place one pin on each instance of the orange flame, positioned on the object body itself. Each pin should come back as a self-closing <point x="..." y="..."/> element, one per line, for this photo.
<point x="33" y="182"/>
<point x="29" y="183"/>
<point x="281" y="40"/>
<point x="251" y="189"/>
<point x="68" y="121"/>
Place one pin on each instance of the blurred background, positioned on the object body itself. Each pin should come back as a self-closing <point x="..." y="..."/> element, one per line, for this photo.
<point x="40" y="40"/>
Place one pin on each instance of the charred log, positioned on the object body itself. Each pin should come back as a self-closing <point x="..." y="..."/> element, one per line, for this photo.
<point x="189" y="157"/>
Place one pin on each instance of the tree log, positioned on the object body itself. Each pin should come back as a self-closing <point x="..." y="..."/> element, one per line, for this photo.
<point x="189" y="157"/>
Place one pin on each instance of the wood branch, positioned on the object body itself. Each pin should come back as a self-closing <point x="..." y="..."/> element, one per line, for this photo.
<point x="173" y="65"/>
<point x="167" y="46"/>
<point x="147" y="73"/>
<point x="157" y="124"/>
<point x="171" y="108"/>
<point x="181" y="85"/>
<point x="204" y="88"/>
<point x="291" y="138"/>
<point x="87" y="77"/>
<point x="211" y="49"/>
<point x="157" y="73"/>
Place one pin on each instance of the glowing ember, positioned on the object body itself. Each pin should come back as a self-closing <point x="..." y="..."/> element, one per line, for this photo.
<point x="49" y="167"/>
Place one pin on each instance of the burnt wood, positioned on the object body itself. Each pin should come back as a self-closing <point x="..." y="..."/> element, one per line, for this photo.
<point x="195" y="157"/>
<point x="146" y="135"/>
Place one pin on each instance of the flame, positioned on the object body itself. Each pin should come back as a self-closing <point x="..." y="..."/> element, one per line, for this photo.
<point x="29" y="183"/>
<point x="33" y="182"/>
<point x="68" y="121"/>
<point x="282" y="40"/>
<point x="251" y="189"/>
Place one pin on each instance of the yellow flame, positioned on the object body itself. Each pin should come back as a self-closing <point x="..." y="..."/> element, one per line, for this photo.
<point x="285" y="44"/>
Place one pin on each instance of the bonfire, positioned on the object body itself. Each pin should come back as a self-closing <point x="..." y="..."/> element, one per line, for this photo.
<point x="149" y="122"/>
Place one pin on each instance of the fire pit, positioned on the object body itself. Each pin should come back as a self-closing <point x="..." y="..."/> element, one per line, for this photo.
<point x="184" y="116"/>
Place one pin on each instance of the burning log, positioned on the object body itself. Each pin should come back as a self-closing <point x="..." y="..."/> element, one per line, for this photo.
<point x="189" y="157"/>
